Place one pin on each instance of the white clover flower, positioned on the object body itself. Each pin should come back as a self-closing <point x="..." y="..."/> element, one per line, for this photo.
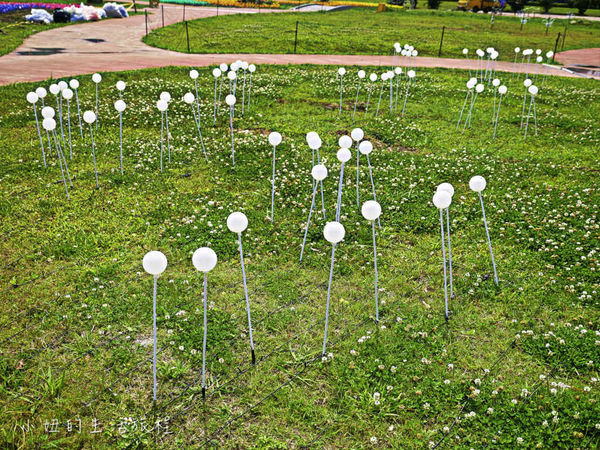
<point x="373" y="440"/>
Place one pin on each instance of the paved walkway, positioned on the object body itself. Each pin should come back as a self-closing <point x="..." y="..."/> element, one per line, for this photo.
<point x="115" y="45"/>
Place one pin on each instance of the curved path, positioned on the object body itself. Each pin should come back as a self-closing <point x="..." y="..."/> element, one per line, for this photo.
<point x="115" y="45"/>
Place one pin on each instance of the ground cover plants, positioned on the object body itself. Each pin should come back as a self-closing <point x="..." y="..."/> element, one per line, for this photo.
<point x="516" y="365"/>
<point x="364" y="31"/>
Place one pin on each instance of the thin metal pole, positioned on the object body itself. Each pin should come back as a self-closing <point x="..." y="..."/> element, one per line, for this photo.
<point x="449" y="252"/>
<point x="357" y="176"/>
<point x="154" y="332"/>
<point x="488" y="238"/>
<point x="37" y="124"/>
<point x="204" y="343"/>
<point x="356" y="101"/>
<point x="215" y="105"/>
<point x="162" y="125"/>
<point x="247" y="300"/>
<point x="94" y="155"/>
<point x="79" y="113"/>
<point x="69" y="129"/>
<point x="372" y="185"/>
<point x="497" y="115"/>
<point x="376" y="275"/>
<point x="197" y="120"/>
<point x="444" y="258"/>
<point x="167" y="132"/>
<point x="273" y="185"/>
<point x="406" y="97"/>
<point x="231" y="126"/>
<point x="312" y="205"/>
<point x="463" y="109"/>
<point x="61" y="168"/>
<point x="121" y="138"/>
<point x="341" y="93"/>
<point x="379" y="102"/>
<point x="328" y="296"/>
<point x="338" y="207"/>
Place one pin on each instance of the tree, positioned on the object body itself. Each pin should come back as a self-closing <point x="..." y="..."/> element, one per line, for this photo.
<point x="582" y="6"/>
<point x="546" y="5"/>
<point x="517" y="5"/>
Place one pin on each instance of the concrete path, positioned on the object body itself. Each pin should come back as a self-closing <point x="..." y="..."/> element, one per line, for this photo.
<point x="115" y="45"/>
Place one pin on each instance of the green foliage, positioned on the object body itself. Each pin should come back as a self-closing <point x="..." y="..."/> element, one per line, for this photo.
<point x="434" y="4"/>
<point x="76" y="332"/>
<point x="364" y="31"/>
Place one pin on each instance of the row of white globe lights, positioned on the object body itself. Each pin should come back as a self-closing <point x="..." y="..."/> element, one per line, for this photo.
<point x="204" y="259"/>
<point x="65" y="90"/>
<point x="385" y="76"/>
<point x="493" y="55"/>
<point x="474" y="88"/>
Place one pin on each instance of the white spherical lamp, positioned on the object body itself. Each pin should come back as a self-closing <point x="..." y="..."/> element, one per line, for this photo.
<point x="275" y="138"/>
<point x="334" y="232"/>
<point x="154" y="262"/>
<point x="477" y="183"/>
<point x="204" y="259"/>
<point x="371" y="210"/>
<point x="237" y="222"/>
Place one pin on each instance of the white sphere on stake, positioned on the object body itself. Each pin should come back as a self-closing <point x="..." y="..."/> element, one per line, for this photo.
<point x="216" y="72"/>
<point x="496" y="82"/>
<point x="188" y="98"/>
<point x="398" y="70"/>
<point x="230" y="99"/>
<point x="121" y="85"/>
<point x="502" y="89"/>
<point x="165" y="96"/>
<point x="120" y="105"/>
<point x="479" y="88"/>
<point x="361" y="74"/>
<point x="315" y="143"/>
<point x="334" y="232"/>
<point x="96" y="78"/>
<point x="251" y="68"/>
<point x="49" y="124"/>
<point x="411" y="74"/>
<point x="446" y="187"/>
<point x="341" y="71"/>
<point x="154" y="262"/>
<point x="237" y="222"/>
<point x="67" y="94"/>
<point x="357" y="134"/>
<point x="204" y="259"/>
<point x="89" y="117"/>
<point x="533" y="89"/>
<point x="319" y="172"/>
<point x="231" y="75"/>
<point x="465" y="51"/>
<point x="194" y="74"/>
<point x="62" y="85"/>
<point x="550" y="54"/>
<point x="54" y="89"/>
<point x="41" y="92"/>
<point x="223" y="67"/>
<point x="48" y="112"/>
<point x="365" y="147"/>
<point x="345" y="141"/>
<point x="442" y="199"/>
<point x="373" y="77"/>
<point x="477" y="183"/>
<point x="343" y="155"/>
<point x="275" y="138"/>
<point x="527" y="83"/>
<point x="371" y="210"/>
<point x="162" y="105"/>
<point x="74" y="83"/>
<point x="32" y="97"/>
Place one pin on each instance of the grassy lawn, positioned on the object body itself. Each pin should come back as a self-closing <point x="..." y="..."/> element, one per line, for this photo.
<point x="364" y="31"/>
<point x="76" y="306"/>
<point x="14" y="29"/>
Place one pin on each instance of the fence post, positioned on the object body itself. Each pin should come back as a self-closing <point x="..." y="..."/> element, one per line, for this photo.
<point x="296" y="38"/>
<point x="187" y="36"/>
<point x="563" y="39"/>
<point x="146" y="14"/>
<point x="441" y="41"/>
<point x="162" y="13"/>
<point x="135" y="7"/>
<point x="184" y="12"/>
<point x="556" y="46"/>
